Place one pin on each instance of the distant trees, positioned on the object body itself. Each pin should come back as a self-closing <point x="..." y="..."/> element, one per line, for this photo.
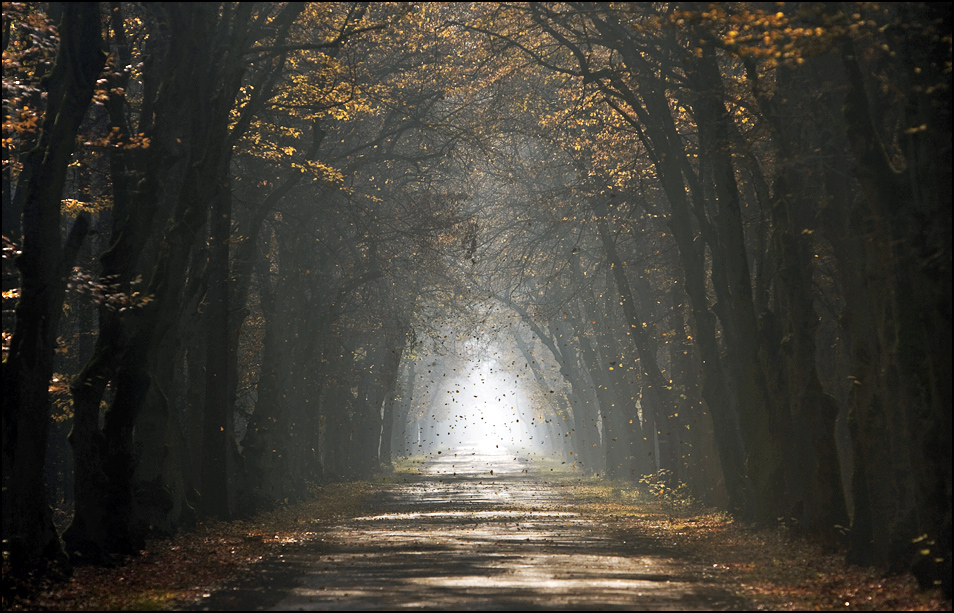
<point x="725" y="123"/>
<point x="726" y="228"/>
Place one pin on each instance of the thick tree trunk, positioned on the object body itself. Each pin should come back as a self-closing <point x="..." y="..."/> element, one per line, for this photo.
<point x="44" y="266"/>
<point x="700" y="458"/>
<point x="218" y="430"/>
<point x="132" y="216"/>
<point x="789" y="338"/>
<point x="182" y="158"/>
<point x="161" y="504"/>
<point x="900" y="320"/>
<point x="404" y="401"/>
<point x="614" y="449"/>
<point x="765" y="421"/>
<point x="390" y="373"/>
<point x="625" y="376"/>
<point x="264" y="473"/>
<point x="366" y="423"/>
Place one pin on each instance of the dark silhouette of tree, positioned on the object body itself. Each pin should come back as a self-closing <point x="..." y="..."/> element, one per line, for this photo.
<point x="44" y="265"/>
<point x="714" y="240"/>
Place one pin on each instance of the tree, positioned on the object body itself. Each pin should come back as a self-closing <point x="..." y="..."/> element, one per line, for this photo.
<point x="662" y="212"/>
<point x="44" y="266"/>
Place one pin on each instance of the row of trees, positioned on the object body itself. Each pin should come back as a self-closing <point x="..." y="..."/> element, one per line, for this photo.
<point x="760" y="202"/>
<point x="718" y="237"/>
<point x="259" y="197"/>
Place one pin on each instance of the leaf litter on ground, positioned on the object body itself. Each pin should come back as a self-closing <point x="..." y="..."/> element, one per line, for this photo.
<point x="768" y="567"/>
<point x="173" y="573"/>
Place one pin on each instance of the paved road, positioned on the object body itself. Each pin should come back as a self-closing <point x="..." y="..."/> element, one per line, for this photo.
<point x="474" y="532"/>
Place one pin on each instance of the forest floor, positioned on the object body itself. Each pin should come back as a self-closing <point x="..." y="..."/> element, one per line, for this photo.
<point x="449" y="534"/>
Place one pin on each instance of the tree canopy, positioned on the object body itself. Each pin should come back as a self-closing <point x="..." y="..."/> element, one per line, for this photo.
<point x="250" y="247"/>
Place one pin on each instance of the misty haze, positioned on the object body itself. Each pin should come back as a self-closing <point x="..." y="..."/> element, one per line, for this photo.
<point x="476" y="305"/>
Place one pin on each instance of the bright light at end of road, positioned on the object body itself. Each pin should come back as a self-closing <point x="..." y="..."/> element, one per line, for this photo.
<point x="493" y="413"/>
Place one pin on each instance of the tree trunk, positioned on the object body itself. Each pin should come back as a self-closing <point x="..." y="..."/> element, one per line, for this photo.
<point x="44" y="266"/>
<point x="390" y="381"/>
<point x="587" y="416"/>
<point x="182" y="157"/>
<point x="816" y="480"/>
<point x="401" y="434"/>
<point x="765" y="422"/>
<point x="218" y="430"/>
<point x="657" y="396"/>
<point x="899" y="318"/>
<point x="622" y="422"/>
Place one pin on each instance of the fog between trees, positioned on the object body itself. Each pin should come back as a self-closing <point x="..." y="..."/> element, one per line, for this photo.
<point x="250" y="248"/>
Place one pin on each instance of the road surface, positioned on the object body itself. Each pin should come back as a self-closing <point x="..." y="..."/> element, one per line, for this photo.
<point x="474" y="531"/>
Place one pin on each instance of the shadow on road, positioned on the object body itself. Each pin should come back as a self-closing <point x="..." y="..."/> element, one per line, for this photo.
<point x="473" y="531"/>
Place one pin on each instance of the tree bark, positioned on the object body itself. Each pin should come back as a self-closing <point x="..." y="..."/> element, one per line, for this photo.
<point x="789" y="337"/>
<point x="657" y="398"/>
<point x="764" y="421"/>
<point x="44" y="264"/>
<point x="899" y="318"/>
